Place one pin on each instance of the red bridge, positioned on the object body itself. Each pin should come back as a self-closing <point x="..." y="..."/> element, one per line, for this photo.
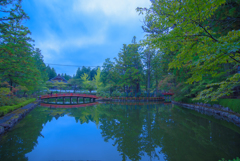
<point x="168" y="94"/>
<point x="68" y="95"/>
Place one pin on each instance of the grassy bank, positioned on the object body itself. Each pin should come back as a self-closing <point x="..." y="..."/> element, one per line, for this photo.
<point x="233" y="104"/>
<point x="6" y="109"/>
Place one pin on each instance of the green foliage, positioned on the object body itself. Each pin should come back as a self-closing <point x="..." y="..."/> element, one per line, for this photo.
<point x="233" y="104"/>
<point x="75" y="83"/>
<point x="22" y="88"/>
<point x="97" y="78"/>
<point x="198" y="44"/>
<point x="51" y="72"/>
<point x="67" y="77"/>
<point x="20" y="63"/>
<point x="60" y="85"/>
<point x="49" y="84"/>
<point x="4" y="91"/>
<point x="237" y="159"/>
<point x="6" y="109"/>
<point x="129" y="65"/>
<point x="87" y="84"/>
<point x="90" y="72"/>
<point x="116" y="94"/>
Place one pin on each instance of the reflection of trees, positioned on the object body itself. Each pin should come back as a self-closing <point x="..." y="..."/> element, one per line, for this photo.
<point x="14" y="145"/>
<point x="180" y="134"/>
<point x="137" y="130"/>
<point x="124" y="125"/>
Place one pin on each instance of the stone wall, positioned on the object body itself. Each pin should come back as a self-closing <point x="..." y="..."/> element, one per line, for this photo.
<point x="128" y="100"/>
<point x="218" y="111"/>
<point x="9" y="120"/>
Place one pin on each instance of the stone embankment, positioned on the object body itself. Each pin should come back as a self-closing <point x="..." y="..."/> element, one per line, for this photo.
<point x="217" y="111"/>
<point x="130" y="100"/>
<point x="9" y="120"/>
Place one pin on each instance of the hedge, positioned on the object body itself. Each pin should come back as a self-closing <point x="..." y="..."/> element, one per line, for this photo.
<point x="6" y="109"/>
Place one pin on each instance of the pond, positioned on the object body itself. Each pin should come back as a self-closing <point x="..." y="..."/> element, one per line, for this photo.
<point x="120" y="131"/>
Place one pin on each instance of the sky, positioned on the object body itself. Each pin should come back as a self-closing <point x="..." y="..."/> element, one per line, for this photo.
<point x="82" y="32"/>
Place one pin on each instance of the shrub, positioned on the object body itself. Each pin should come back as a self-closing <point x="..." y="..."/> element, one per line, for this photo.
<point x="237" y="159"/>
<point x="116" y="94"/>
<point x="6" y="109"/>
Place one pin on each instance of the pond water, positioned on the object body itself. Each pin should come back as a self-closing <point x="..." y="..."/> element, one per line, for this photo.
<point x="120" y="131"/>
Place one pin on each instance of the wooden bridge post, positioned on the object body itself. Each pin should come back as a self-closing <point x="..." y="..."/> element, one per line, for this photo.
<point x="83" y="99"/>
<point x="94" y="99"/>
<point x="63" y="100"/>
<point x="70" y="100"/>
<point x="55" y="100"/>
<point x="77" y="100"/>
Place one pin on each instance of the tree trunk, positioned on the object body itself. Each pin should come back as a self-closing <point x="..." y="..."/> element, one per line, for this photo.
<point x="156" y="86"/>
<point x="11" y="83"/>
<point x="138" y="87"/>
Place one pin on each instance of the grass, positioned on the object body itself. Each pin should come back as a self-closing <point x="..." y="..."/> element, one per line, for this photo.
<point x="233" y="104"/>
<point x="237" y="159"/>
<point x="6" y="109"/>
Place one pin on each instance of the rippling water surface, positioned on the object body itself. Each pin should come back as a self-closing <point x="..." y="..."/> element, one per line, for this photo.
<point x="120" y="131"/>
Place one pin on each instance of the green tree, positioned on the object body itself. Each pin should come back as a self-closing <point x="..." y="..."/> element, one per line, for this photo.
<point x="75" y="84"/>
<point x="129" y="65"/>
<point x="97" y="78"/>
<point x="87" y="84"/>
<point x="51" y="72"/>
<point x="60" y="85"/>
<point x="187" y="33"/>
<point x="17" y="64"/>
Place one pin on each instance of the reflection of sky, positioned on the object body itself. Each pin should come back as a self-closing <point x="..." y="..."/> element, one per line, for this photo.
<point x="64" y="139"/>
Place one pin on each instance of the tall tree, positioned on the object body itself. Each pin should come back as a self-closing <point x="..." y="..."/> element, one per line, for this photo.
<point x="129" y="63"/>
<point x="188" y="31"/>
<point x="17" y="63"/>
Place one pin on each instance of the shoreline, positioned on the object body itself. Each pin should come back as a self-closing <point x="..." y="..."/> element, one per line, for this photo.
<point x="11" y="119"/>
<point x="130" y="100"/>
<point x="218" y="113"/>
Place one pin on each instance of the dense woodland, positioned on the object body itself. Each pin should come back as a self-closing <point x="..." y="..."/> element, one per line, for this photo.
<point x="191" y="48"/>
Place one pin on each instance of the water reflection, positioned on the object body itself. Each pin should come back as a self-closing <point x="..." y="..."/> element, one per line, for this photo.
<point x="68" y="106"/>
<point x="137" y="131"/>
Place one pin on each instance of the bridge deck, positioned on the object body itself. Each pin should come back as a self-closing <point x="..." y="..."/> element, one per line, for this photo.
<point x="68" y="95"/>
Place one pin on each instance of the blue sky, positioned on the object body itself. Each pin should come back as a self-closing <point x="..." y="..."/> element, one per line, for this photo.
<point x="82" y="32"/>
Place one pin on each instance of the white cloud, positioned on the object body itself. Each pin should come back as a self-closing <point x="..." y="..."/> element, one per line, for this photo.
<point x="53" y="45"/>
<point x="117" y="9"/>
<point x="70" y="26"/>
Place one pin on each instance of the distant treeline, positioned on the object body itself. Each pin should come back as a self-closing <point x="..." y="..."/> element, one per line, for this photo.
<point x="91" y="72"/>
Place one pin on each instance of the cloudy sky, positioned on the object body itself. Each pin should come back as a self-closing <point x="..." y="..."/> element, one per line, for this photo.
<point x="82" y="32"/>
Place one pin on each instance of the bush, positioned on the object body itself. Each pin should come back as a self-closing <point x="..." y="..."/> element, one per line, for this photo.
<point x="237" y="159"/>
<point x="10" y="100"/>
<point x="6" y="109"/>
<point x="116" y="94"/>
